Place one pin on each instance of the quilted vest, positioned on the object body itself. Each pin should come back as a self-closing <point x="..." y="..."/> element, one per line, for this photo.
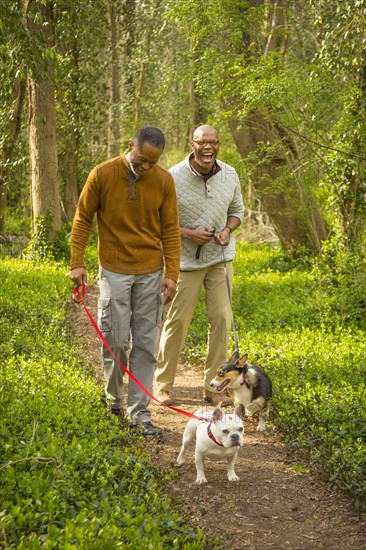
<point x="206" y="205"/>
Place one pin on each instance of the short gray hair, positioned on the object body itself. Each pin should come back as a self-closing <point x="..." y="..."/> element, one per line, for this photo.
<point x="149" y="134"/>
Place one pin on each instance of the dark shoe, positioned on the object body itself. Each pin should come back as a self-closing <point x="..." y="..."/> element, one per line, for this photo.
<point x="148" y="429"/>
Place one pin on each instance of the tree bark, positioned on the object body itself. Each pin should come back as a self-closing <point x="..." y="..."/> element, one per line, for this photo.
<point x="290" y="205"/>
<point x="128" y="31"/>
<point x="68" y="153"/>
<point x="192" y="95"/>
<point x="7" y="150"/>
<point x="352" y="199"/>
<point x="114" y="135"/>
<point x="145" y="59"/>
<point x="142" y="75"/>
<point x="68" y="169"/>
<point x="45" y="186"/>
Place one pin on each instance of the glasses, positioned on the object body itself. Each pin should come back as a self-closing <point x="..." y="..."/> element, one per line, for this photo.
<point x="212" y="142"/>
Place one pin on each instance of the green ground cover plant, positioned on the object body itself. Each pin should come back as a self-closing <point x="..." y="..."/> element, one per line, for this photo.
<point x="69" y="478"/>
<point x="305" y="325"/>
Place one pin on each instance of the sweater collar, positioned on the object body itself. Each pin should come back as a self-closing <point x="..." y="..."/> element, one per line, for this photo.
<point x="133" y="177"/>
<point x="215" y="169"/>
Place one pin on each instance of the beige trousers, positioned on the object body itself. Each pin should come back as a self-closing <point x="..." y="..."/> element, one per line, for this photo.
<point x="179" y="316"/>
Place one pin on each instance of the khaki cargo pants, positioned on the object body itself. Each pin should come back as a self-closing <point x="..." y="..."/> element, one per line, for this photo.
<point x="129" y="316"/>
<point x="179" y="316"/>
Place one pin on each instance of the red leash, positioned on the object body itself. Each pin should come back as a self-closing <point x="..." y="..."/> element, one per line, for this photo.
<point x="78" y="298"/>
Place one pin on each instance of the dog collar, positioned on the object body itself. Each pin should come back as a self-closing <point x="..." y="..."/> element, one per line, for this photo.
<point x="244" y="380"/>
<point x="211" y="435"/>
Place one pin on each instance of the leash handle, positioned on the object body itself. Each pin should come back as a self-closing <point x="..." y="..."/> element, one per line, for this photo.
<point x="77" y="296"/>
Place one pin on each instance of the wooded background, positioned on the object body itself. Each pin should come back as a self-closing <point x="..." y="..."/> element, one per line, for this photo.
<point x="283" y="81"/>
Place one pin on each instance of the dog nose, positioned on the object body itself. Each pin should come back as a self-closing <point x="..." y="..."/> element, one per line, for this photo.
<point x="235" y="436"/>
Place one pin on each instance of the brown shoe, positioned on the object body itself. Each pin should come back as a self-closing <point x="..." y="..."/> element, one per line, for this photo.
<point x="219" y="399"/>
<point x="164" y="397"/>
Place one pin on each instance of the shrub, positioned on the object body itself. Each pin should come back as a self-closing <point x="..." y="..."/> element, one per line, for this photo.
<point x="70" y="478"/>
<point x="290" y="319"/>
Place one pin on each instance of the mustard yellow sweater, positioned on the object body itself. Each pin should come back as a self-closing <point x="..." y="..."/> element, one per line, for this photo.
<point x="138" y="226"/>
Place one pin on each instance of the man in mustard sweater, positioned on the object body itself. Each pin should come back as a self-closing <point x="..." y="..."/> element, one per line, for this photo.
<point x="139" y="252"/>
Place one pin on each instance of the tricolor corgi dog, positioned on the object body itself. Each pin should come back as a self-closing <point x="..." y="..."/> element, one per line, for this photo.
<point x="247" y="384"/>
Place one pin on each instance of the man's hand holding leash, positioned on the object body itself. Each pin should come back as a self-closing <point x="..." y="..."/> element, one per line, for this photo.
<point x="223" y="237"/>
<point x="202" y="236"/>
<point x="199" y="235"/>
<point x="78" y="275"/>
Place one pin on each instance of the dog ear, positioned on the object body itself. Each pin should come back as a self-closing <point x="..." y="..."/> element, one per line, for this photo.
<point x="243" y="360"/>
<point x="240" y="411"/>
<point x="217" y="414"/>
<point x="235" y="356"/>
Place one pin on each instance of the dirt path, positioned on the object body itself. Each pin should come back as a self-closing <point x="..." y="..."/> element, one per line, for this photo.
<point x="275" y="505"/>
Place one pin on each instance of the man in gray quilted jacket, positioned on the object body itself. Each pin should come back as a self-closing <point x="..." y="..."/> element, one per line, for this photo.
<point x="210" y="208"/>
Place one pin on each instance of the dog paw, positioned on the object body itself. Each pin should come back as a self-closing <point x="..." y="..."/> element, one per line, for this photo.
<point x="233" y="477"/>
<point x="180" y="462"/>
<point x="201" y="480"/>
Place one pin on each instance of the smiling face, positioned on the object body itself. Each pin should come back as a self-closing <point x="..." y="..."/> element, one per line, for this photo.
<point x="142" y="157"/>
<point x="205" y="146"/>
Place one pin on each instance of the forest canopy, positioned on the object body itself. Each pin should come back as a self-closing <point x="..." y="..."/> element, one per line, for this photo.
<point x="284" y="82"/>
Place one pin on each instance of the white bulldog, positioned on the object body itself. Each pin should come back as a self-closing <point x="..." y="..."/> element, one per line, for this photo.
<point x="218" y="436"/>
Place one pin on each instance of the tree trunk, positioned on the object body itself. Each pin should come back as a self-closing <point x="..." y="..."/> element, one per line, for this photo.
<point x="68" y="167"/>
<point x="352" y="198"/>
<point x="145" y="60"/>
<point x="69" y="109"/>
<point x="7" y="150"/>
<point x="45" y="187"/>
<point x="128" y="31"/>
<point x="192" y="95"/>
<point x="114" y="136"/>
<point x="290" y="205"/>
<point x="142" y="76"/>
